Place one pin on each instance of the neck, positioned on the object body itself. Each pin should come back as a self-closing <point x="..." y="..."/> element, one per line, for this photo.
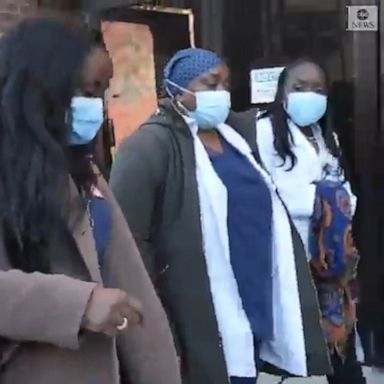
<point x="211" y="139"/>
<point x="208" y="132"/>
<point x="307" y="130"/>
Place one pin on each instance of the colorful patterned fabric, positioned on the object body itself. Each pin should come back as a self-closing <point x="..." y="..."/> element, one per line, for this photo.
<point x="334" y="260"/>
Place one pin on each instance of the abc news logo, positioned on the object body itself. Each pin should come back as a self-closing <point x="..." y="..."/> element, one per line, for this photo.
<point x="363" y="18"/>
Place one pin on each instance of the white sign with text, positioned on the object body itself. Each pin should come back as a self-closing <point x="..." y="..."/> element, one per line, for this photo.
<point x="264" y="84"/>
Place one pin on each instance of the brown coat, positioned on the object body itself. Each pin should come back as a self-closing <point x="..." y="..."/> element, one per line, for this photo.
<point x="43" y="314"/>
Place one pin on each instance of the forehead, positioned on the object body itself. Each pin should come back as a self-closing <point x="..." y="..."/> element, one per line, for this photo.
<point x="218" y="73"/>
<point x="98" y="65"/>
<point x="220" y="70"/>
<point x="306" y="72"/>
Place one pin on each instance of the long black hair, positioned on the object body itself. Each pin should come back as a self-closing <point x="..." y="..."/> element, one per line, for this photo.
<point x="81" y="158"/>
<point x="41" y="61"/>
<point x="283" y="139"/>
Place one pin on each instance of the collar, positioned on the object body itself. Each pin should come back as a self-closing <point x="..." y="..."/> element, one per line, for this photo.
<point x="192" y="124"/>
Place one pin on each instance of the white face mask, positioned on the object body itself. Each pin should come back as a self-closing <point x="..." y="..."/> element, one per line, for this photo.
<point x="212" y="107"/>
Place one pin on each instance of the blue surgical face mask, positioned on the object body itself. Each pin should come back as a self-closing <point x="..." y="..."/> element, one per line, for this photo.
<point x="212" y="107"/>
<point x="86" y="117"/>
<point x="306" y="108"/>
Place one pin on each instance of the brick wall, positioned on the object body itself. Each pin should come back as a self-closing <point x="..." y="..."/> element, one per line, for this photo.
<point x="12" y="10"/>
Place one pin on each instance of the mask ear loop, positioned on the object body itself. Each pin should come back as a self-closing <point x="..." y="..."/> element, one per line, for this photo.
<point x="177" y="105"/>
<point x="69" y="119"/>
<point x="167" y="81"/>
<point x="285" y="101"/>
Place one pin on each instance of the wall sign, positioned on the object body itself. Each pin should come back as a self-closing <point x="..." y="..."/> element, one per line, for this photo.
<point x="264" y="84"/>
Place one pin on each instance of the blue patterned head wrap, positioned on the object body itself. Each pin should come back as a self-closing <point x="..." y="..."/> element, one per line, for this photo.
<point x="187" y="65"/>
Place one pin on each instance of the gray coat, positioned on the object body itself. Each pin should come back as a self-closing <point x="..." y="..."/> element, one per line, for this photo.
<point x="154" y="181"/>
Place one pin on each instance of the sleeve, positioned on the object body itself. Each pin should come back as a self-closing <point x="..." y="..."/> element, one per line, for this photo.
<point x="136" y="179"/>
<point x="42" y="308"/>
<point x="264" y="138"/>
<point x="347" y="184"/>
<point x="299" y="198"/>
<point x="352" y="196"/>
<point x="147" y="355"/>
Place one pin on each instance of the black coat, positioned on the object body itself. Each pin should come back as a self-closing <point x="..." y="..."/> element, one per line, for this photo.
<point x="154" y="180"/>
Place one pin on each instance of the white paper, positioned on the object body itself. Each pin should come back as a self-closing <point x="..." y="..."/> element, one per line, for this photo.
<point x="264" y="84"/>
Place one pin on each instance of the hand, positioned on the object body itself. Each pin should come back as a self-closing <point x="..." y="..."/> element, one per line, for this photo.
<point x="107" y="310"/>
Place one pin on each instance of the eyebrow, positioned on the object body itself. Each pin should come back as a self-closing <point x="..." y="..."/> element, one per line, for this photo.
<point x="210" y="76"/>
<point x="215" y="74"/>
<point x="298" y="80"/>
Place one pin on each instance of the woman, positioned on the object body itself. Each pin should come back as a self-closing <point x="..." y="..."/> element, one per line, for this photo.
<point x="215" y="236"/>
<point x="301" y="153"/>
<point x="60" y="224"/>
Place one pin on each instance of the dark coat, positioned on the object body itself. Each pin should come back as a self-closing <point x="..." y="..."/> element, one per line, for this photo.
<point x="154" y="181"/>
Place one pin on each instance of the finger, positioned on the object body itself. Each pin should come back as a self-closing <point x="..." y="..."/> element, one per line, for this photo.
<point x="121" y="316"/>
<point x="134" y="303"/>
<point x="134" y="317"/>
<point x="116" y="320"/>
<point x="108" y="328"/>
<point x="117" y="317"/>
<point x="111" y="330"/>
<point x="134" y="306"/>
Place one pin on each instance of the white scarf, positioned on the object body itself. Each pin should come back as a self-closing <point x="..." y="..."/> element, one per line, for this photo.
<point x="287" y="350"/>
